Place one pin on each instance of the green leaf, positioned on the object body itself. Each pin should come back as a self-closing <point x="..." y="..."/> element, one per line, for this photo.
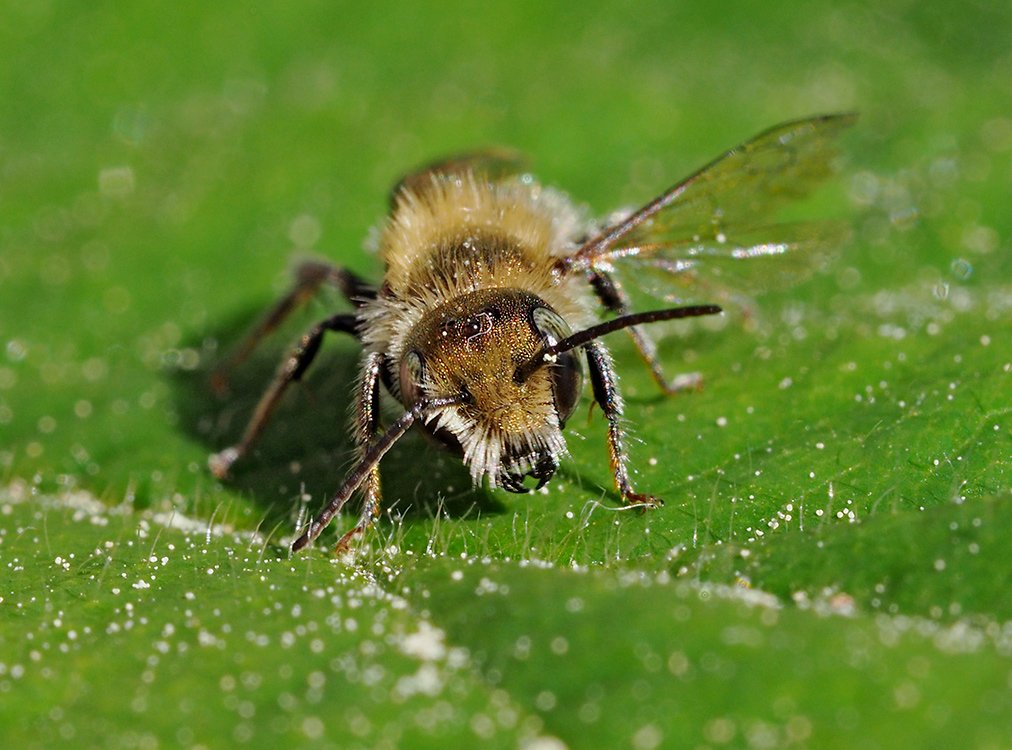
<point x="830" y="565"/>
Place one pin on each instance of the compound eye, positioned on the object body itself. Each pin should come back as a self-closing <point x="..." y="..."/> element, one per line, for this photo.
<point x="549" y="325"/>
<point x="412" y="376"/>
<point x="567" y="369"/>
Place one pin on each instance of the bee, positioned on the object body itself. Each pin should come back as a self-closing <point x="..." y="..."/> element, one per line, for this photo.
<point x="497" y="291"/>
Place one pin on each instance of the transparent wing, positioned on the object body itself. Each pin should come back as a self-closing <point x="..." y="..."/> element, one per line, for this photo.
<point x="695" y="236"/>
<point x="495" y="164"/>
<point x="727" y="267"/>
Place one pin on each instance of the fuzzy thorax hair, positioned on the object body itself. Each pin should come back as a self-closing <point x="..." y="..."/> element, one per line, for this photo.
<point x="447" y="249"/>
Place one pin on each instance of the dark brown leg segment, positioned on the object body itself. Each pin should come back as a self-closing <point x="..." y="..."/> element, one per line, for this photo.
<point x="366" y="427"/>
<point x="292" y="368"/>
<point x="614" y="300"/>
<point x="605" y="386"/>
<point x="309" y="277"/>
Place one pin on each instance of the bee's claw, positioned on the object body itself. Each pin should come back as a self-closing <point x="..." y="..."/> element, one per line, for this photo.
<point x="344" y="543"/>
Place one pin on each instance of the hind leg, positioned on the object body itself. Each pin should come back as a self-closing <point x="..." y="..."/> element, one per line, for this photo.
<point x="310" y="276"/>
<point x="292" y="368"/>
<point x="615" y="300"/>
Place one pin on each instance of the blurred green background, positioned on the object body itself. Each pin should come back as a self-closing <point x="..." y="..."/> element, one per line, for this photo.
<point x="831" y="563"/>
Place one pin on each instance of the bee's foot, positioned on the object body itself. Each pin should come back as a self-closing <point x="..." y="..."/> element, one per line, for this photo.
<point x="644" y="502"/>
<point x="220" y="385"/>
<point x="343" y="545"/>
<point x="221" y="463"/>
<point x="686" y="381"/>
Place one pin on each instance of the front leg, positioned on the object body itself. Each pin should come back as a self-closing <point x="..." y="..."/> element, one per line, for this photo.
<point x="366" y="425"/>
<point x="605" y="384"/>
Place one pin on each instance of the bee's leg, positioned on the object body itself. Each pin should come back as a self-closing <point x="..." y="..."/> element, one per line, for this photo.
<point x="605" y="385"/>
<point x="366" y="425"/>
<point x="292" y="368"/>
<point x="615" y="300"/>
<point x="309" y="277"/>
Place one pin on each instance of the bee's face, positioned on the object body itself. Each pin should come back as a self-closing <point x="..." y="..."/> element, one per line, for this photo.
<point x="509" y="427"/>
